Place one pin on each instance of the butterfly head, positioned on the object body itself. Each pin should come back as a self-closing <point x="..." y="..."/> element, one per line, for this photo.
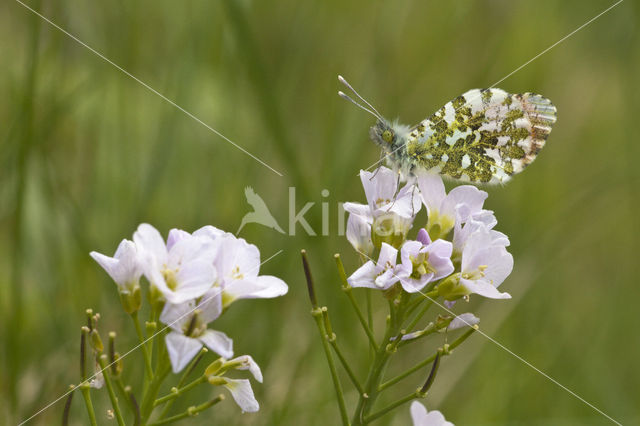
<point x="383" y="134"/>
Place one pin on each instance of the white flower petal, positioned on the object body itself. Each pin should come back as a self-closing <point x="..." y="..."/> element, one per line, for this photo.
<point x="237" y="259"/>
<point x="194" y="279"/>
<point x="247" y="363"/>
<point x="388" y="255"/>
<point x="148" y="239"/>
<point x="363" y="276"/>
<point x="243" y="394"/>
<point x="379" y="186"/>
<point x="431" y="190"/>
<point x="483" y="288"/>
<point x="464" y="200"/>
<point x="271" y="287"/>
<point x="176" y="235"/>
<point x="420" y="416"/>
<point x="218" y="342"/>
<point x="176" y="315"/>
<point x="362" y="211"/>
<point x="210" y="304"/>
<point x="210" y="232"/>
<point x="359" y="234"/>
<point x="181" y="350"/>
<point x="463" y="320"/>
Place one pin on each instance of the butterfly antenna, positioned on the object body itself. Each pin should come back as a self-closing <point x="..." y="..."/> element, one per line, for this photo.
<point x="346" y="83"/>
<point x="345" y="96"/>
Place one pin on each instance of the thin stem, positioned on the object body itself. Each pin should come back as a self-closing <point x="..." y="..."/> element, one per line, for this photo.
<point x="154" y="386"/>
<point x="419" y="316"/>
<point x="179" y="391"/>
<point x="127" y="395"/>
<point x="183" y="379"/>
<point x="102" y="360"/>
<point x="381" y="358"/>
<point x="316" y="312"/>
<point x="348" y="291"/>
<point x="390" y="407"/>
<point x="67" y="407"/>
<point x="446" y="351"/>
<point x="84" y="388"/>
<point x="145" y="351"/>
<point x="317" y="315"/>
<point x="333" y="341"/>
<point x="190" y="412"/>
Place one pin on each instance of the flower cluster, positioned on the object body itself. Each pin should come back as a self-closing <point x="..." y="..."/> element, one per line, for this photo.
<point x="193" y="278"/>
<point x="457" y="253"/>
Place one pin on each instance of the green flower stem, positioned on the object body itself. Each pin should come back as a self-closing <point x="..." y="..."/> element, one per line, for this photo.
<point x="381" y="358"/>
<point x="192" y="364"/>
<point x="85" y="389"/>
<point x="67" y="407"/>
<point x="390" y="407"/>
<point x="348" y="291"/>
<point x="427" y="331"/>
<point x="152" y="390"/>
<point x="316" y="313"/>
<point x="127" y="395"/>
<point x="145" y="351"/>
<point x="106" y="373"/>
<point x="317" y="316"/>
<point x="332" y="338"/>
<point x="419" y="316"/>
<point x="190" y="412"/>
<point x="446" y="351"/>
<point x="176" y="392"/>
<point x="419" y="393"/>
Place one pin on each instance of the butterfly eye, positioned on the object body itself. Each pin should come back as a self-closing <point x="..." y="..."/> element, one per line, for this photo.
<point x="387" y="136"/>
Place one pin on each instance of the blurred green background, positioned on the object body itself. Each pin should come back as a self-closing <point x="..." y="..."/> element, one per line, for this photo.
<point x="87" y="154"/>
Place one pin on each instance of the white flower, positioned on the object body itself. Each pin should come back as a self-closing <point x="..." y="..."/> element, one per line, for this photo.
<point x="124" y="268"/>
<point x="420" y="416"/>
<point x="463" y="320"/>
<point x="423" y="261"/>
<point x="359" y="234"/>
<point x="241" y="392"/>
<point x="188" y="322"/>
<point x="378" y="275"/>
<point x="389" y="212"/>
<point x="182" y="269"/>
<point x="443" y="208"/>
<point x="485" y="264"/>
<point x="238" y="266"/>
<point x="246" y="362"/>
<point x="240" y="389"/>
<point x="479" y="221"/>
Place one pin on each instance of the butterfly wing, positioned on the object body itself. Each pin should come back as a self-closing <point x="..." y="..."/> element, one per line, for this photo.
<point x="482" y="136"/>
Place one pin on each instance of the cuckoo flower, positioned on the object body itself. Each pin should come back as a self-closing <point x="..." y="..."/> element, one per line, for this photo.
<point x="443" y="209"/>
<point x="423" y="261"/>
<point x="182" y="269"/>
<point x="485" y="264"/>
<point x="238" y="266"/>
<point x="388" y="212"/>
<point x="240" y="389"/>
<point x="421" y="417"/>
<point x="124" y="268"/>
<point x="188" y="322"/>
<point x="379" y="275"/>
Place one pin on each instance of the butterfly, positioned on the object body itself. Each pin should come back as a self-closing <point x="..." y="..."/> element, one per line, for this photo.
<point x="482" y="136"/>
